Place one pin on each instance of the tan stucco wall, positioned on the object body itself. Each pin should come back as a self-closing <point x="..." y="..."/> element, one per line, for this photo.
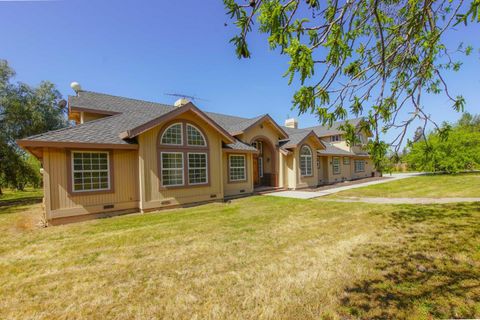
<point x="62" y="204"/>
<point x="151" y="195"/>
<point x="237" y="188"/>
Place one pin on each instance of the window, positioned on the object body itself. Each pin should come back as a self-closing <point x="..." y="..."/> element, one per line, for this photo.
<point x="306" y="161"/>
<point x="260" y="167"/>
<point x="90" y="171"/>
<point x="359" y="166"/>
<point x="336" y="165"/>
<point x="197" y="168"/>
<point x="172" y="168"/>
<point x="346" y="161"/>
<point x="173" y="135"/>
<point x="195" y="137"/>
<point x="237" y="168"/>
<point x="183" y="155"/>
<point x="259" y="146"/>
<point x="336" y="138"/>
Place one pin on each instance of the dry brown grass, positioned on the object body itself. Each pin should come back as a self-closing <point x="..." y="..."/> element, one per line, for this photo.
<point x="256" y="258"/>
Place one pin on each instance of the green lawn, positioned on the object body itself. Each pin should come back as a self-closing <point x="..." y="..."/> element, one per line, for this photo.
<point x="15" y="197"/>
<point x="431" y="186"/>
<point x="253" y="258"/>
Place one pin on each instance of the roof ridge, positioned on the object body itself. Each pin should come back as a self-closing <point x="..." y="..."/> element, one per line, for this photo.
<point x="127" y="98"/>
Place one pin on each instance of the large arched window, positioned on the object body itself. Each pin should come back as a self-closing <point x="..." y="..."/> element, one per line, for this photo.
<point x="183" y="155"/>
<point x="306" y="161"/>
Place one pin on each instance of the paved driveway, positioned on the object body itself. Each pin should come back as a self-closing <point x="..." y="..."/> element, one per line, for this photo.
<point x="298" y="194"/>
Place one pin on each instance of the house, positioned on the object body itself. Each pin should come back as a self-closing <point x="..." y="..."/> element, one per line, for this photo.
<point x="125" y="155"/>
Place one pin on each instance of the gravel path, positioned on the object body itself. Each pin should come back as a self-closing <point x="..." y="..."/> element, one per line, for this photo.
<point x="405" y="200"/>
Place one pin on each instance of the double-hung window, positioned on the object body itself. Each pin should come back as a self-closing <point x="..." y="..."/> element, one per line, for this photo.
<point x="172" y="168"/>
<point x="197" y="168"/>
<point x="359" y="166"/>
<point x="306" y="161"/>
<point x="90" y="171"/>
<point x="346" y="161"/>
<point x="237" y="167"/>
<point x="336" y="165"/>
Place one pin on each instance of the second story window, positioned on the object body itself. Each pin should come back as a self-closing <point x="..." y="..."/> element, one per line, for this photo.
<point x="336" y="138"/>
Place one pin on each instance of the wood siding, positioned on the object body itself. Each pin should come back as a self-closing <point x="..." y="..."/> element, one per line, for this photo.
<point x="62" y="204"/>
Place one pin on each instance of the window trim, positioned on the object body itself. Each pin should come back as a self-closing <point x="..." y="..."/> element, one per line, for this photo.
<point x="161" y="168"/>
<point x="244" y="167"/>
<point x="182" y="140"/>
<point x="260" y="166"/>
<point x="206" y="169"/>
<point x="311" y="161"/>
<point x="70" y="171"/>
<point x="201" y="133"/>
<point x="185" y="149"/>
<point x="339" y="166"/>
<point x="355" y="166"/>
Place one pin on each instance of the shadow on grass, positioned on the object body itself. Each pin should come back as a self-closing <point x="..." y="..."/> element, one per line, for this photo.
<point x="5" y="204"/>
<point x="429" y="267"/>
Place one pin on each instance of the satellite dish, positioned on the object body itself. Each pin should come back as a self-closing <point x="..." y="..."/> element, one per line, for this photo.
<point x="76" y="87"/>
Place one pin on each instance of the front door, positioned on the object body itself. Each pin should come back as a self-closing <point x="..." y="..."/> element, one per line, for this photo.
<point x="256" y="176"/>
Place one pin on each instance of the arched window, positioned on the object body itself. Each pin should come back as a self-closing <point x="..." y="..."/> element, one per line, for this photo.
<point x="173" y="135"/>
<point x="195" y="136"/>
<point x="306" y="162"/>
<point x="183" y="161"/>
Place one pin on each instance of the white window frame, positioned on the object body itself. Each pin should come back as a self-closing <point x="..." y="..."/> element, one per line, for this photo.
<point x="260" y="167"/>
<point x="199" y="131"/>
<point x="308" y="170"/>
<point x="333" y="165"/>
<point x="336" y="138"/>
<point x="72" y="156"/>
<point x="206" y="168"/>
<point x="230" y="167"/>
<point x="181" y="135"/>
<point x="363" y="165"/>
<point x="168" y="169"/>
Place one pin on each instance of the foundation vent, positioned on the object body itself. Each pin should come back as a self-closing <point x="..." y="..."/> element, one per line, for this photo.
<point x="108" y="206"/>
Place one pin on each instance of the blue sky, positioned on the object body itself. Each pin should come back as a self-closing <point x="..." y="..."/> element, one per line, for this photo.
<point x="144" y="49"/>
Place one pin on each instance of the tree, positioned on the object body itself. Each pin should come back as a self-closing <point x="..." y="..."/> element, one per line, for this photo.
<point x="461" y="151"/>
<point x="366" y="56"/>
<point x="24" y="111"/>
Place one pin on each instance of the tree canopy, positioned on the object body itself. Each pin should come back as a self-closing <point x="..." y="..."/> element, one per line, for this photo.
<point x="460" y="152"/>
<point x="369" y="57"/>
<point x="24" y="111"/>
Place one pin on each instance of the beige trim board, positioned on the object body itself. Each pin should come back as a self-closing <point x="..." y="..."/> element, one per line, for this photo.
<point x="78" y="211"/>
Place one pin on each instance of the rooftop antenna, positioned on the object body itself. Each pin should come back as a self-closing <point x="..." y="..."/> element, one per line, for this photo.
<point x="185" y="96"/>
